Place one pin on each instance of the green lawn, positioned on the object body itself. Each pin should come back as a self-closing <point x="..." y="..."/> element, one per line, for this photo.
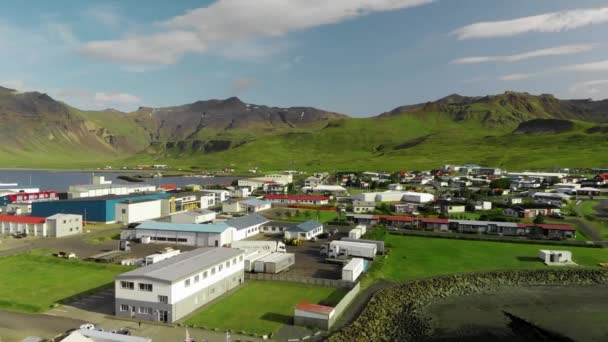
<point x="586" y="208"/>
<point x="322" y="216"/>
<point x="420" y="257"/>
<point x="262" y="307"/>
<point x="31" y="283"/>
<point x="102" y="238"/>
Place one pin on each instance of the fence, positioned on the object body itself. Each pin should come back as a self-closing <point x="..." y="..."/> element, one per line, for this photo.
<point x="301" y="280"/>
<point x="345" y="302"/>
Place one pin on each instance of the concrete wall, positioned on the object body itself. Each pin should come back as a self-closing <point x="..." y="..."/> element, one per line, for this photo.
<point x="137" y="212"/>
<point x="65" y="225"/>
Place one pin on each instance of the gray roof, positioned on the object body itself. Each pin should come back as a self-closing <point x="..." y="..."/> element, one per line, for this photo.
<point x="184" y="264"/>
<point x="364" y="203"/>
<point x="245" y="222"/>
<point x="96" y="335"/>
<point x="218" y="227"/>
<point x="254" y="202"/>
<point x="306" y="226"/>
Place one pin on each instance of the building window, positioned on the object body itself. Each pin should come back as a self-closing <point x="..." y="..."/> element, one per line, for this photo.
<point x="220" y="268"/>
<point x="187" y="282"/>
<point x="129" y="285"/>
<point x="241" y="258"/>
<point x="205" y="275"/>
<point x="124" y="307"/>
<point x="213" y="271"/>
<point x="163" y="299"/>
<point x="145" y="310"/>
<point x="145" y="287"/>
<point x="196" y="278"/>
<point x="227" y="264"/>
<point x="234" y="261"/>
<point x="124" y="211"/>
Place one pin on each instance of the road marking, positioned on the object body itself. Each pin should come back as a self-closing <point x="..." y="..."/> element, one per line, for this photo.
<point x="305" y="337"/>
<point x="96" y="296"/>
<point x="293" y="339"/>
<point x="59" y="310"/>
<point x="317" y="333"/>
<point x="50" y="314"/>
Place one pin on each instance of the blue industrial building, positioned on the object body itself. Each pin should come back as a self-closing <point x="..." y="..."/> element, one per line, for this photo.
<point x="93" y="209"/>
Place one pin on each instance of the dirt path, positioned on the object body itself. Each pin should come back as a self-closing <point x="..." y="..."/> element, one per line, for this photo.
<point x="591" y="233"/>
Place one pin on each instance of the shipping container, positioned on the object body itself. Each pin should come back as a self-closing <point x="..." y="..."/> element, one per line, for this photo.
<point x="258" y="265"/>
<point x="251" y="257"/>
<point x="353" y="269"/>
<point x="355" y="249"/>
<point x="355" y="234"/>
<point x="269" y="246"/>
<point x="363" y="228"/>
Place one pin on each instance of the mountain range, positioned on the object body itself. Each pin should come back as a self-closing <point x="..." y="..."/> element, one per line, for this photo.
<point x="508" y="130"/>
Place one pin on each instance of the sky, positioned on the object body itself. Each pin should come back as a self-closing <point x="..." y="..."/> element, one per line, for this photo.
<point x="357" y="57"/>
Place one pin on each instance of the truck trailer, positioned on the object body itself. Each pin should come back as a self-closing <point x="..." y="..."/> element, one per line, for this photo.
<point x="379" y="244"/>
<point x="252" y="256"/>
<point x="341" y="249"/>
<point x="279" y="262"/>
<point x="269" y="246"/>
<point x="352" y="270"/>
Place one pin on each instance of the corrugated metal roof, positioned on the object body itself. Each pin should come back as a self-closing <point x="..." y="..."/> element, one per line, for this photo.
<point x="305" y="227"/>
<point x="218" y="227"/>
<point x="245" y="222"/>
<point x="254" y="202"/>
<point x="184" y="264"/>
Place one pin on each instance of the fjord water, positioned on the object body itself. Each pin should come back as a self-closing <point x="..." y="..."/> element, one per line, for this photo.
<point x="60" y="181"/>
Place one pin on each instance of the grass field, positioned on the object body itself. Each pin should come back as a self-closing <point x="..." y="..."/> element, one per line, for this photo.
<point x="103" y="238"/>
<point x="420" y="257"/>
<point x="31" y="283"/>
<point x="304" y="215"/>
<point x="587" y="208"/>
<point x="262" y="307"/>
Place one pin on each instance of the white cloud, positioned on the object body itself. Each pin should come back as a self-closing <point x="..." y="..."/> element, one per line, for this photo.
<point x="588" y="67"/>
<point x="590" y="88"/>
<point x="548" y="22"/>
<point x="229" y="22"/>
<point x="290" y="64"/>
<point x="98" y="100"/>
<point x="13" y="84"/>
<point x="106" y="15"/>
<point x="554" y="51"/>
<point x="241" y="85"/>
<point x="516" y="77"/>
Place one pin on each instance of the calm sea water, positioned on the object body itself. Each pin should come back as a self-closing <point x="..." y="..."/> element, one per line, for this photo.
<point x="60" y="181"/>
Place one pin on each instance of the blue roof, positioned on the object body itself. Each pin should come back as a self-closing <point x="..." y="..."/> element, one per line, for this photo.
<point x="255" y="202"/>
<point x="219" y="227"/>
<point x="245" y="222"/>
<point x="305" y="227"/>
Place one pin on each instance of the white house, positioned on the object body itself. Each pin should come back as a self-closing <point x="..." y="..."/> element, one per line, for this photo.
<point x="58" y="225"/>
<point x="312" y="182"/>
<point x="297" y="199"/>
<point x="304" y="231"/>
<point x="138" y="211"/>
<point x="246" y="226"/>
<point x="220" y="195"/>
<point x="171" y="289"/>
<point x="551" y="198"/>
<point x="251" y="205"/>
<point x="360" y="207"/>
<point x="197" y="216"/>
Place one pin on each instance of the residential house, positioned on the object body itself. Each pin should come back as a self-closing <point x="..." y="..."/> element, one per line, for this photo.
<point x="251" y="205"/>
<point x="304" y="231"/>
<point x="551" y="198"/>
<point x="361" y="207"/>
<point x="312" y="182"/>
<point x="297" y="199"/>
<point x="195" y="217"/>
<point x="531" y="211"/>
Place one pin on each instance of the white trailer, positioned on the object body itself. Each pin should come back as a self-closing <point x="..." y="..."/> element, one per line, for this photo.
<point x="355" y="234"/>
<point x="269" y="246"/>
<point x="279" y="262"/>
<point x="551" y="257"/>
<point x="259" y="265"/>
<point x="379" y="244"/>
<point x="355" y="249"/>
<point x="352" y="270"/>
<point x="251" y="258"/>
<point x="363" y="228"/>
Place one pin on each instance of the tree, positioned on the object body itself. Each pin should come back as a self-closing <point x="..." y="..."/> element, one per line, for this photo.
<point x="298" y="213"/>
<point x="539" y="219"/>
<point x="287" y="213"/>
<point x="501" y="183"/>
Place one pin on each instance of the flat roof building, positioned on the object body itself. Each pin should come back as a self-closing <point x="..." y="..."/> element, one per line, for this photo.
<point x="171" y="289"/>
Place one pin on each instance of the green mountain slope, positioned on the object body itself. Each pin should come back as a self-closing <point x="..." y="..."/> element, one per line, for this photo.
<point x="510" y="130"/>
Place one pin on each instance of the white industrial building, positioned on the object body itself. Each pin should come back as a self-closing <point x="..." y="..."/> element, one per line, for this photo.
<point x="138" y="211"/>
<point x="102" y="187"/>
<point x="58" y="225"/>
<point x="304" y="231"/>
<point x="196" y="216"/>
<point x="251" y="205"/>
<point x="220" y="195"/>
<point x="171" y="289"/>
<point x="211" y="234"/>
<point x="394" y="196"/>
<point x="258" y="182"/>
<point x="554" y="258"/>
<point x="247" y="226"/>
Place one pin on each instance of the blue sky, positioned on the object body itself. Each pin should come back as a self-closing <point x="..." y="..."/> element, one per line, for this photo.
<point x="358" y="57"/>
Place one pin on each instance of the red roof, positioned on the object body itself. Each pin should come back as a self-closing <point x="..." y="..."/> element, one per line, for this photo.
<point x="603" y="176"/>
<point x="168" y="186"/>
<point x="21" y="219"/>
<point x="413" y="219"/>
<point x="297" y="197"/>
<point x="548" y="226"/>
<point x="305" y="306"/>
<point x="435" y="220"/>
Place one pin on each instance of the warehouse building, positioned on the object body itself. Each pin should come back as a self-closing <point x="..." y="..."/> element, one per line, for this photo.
<point x="297" y="199"/>
<point x="58" y="225"/>
<point x="211" y="234"/>
<point x="251" y="205"/>
<point x="197" y="216"/>
<point x="94" y="209"/>
<point x="247" y="226"/>
<point x="131" y="211"/>
<point x="171" y="289"/>
<point x="304" y="231"/>
<point x="102" y="187"/>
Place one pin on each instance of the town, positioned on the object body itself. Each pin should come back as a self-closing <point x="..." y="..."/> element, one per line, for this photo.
<point x="284" y="255"/>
